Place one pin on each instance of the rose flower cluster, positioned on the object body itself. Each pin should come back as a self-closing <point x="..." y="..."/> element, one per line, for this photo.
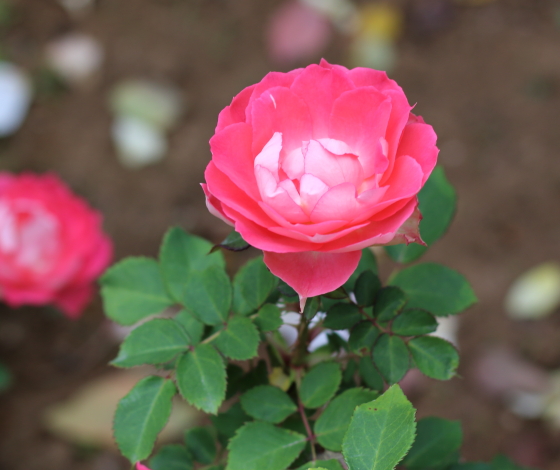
<point x="314" y="165"/>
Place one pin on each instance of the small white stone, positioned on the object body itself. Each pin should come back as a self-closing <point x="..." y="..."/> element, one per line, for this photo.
<point x="535" y="294"/>
<point x="158" y="105"/>
<point x="75" y="57"/>
<point x="138" y="143"/>
<point x="15" y="98"/>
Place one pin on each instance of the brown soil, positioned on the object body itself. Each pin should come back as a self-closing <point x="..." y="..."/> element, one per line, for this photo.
<point x="486" y="77"/>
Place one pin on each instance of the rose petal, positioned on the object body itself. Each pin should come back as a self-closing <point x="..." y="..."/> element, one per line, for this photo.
<point x="73" y="300"/>
<point x="270" y="155"/>
<point x="332" y="169"/>
<point x="311" y="189"/>
<point x="235" y="112"/>
<point x="312" y="273"/>
<point x="279" y="110"/>
<point x="215" y="206"/>
<point x="339" y="202"/>
<point x="419" y="141"/>
<point x="232" y="154"/>
<point x="319" y="88"/>
<point x="362" y="76"/>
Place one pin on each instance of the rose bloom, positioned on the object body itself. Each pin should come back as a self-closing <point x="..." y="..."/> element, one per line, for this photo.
<point x="52" y="247"/>
<point x="139" y="466"/>
<point x="314" y="165"/>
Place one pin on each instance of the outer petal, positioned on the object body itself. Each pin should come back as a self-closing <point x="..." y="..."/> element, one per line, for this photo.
<point x="319" y="87"/>
<point x="139" y="466"/>
<point x="215" y="206"/>
<point x="72" y="300"/>
<point x="312" y="273"/>
<point x="362" y="76"/>
<point x="235" y="112"/>
<point x="232" y="154"/>
<point x="419" y="141"/>
<point x="280" y="110"/>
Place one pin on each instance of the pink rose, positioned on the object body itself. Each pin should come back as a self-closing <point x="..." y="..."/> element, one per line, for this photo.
<point x="52" y="247"/>
<point x="139" y="466"/>
<point x="313" y="165"/>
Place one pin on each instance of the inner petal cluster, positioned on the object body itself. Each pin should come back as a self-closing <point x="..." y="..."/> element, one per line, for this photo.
<point x="316" y="181"/>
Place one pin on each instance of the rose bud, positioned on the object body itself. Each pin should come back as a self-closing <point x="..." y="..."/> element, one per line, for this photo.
<point x="52" y="247"/>
<point x="314" y="165"/>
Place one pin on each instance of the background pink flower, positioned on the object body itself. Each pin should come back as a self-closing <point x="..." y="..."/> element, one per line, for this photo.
<point x="313" y="165"/>
<point x="52" y="247"/>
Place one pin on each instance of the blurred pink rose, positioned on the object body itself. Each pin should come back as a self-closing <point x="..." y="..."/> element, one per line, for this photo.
<point x="52" y="247"/>
<point x="139" y="466"/>
<point x="297" y="32"/>
<point x="313" y="165"/>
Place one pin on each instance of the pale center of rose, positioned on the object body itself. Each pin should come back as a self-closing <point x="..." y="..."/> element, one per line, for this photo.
<point x="29" y="235"/>
<point x="302" y="176"/>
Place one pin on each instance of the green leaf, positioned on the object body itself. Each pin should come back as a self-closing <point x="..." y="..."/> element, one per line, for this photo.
<point x="182" y="255"/>
<point x="434" y="356"/>
<point x="414" y="322"/>
<point x="239" y="340"/>
<point x="366" y="288"/>
<point x="5" y="378"/>
<point x="208" y="295"/>
<point x="268" y="403"/>
<point x="324" y="464"/>
<point x="252" y="285"/>
<point x="259" y="445"/>
<point x="437" y="205"/>
<point x="389" y="421"/>
<point x="133" y="289"/>
<point x="201" y="444"/>
<point x="388" y="302"/>
<point x="370" y="375"/>
<point x="311" y="308"/>
<point x="436" y="440"/>
<point x="230" y="421"/>
<point x="141" y="415"/>
<point x="367" y="261"/>
<point x="333" y="423"/>
<point x="350" y="371"/>
<point x="435" y="288"/>
<point x="362" y="336"/>
<point x="201" y="377"/>
<point x="233" y="242"/>
<point x="194" y="328"/>
<point x="268" y="318"/>
<point x="342" y="316"/>
<point x="391" y="357"/>
<point x="501" y="462"/>
<point x="476" y="466"/>
<point x="320" y="384"/>
<point x="153" y="342"/>
<point x="172" y="457"/>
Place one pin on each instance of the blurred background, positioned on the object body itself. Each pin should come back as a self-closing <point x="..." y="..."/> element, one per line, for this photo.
<point x="120" y="98"/>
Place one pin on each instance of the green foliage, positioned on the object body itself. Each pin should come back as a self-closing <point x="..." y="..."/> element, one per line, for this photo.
<point x="228" y="422"/>
<point x="370" y="374"/>
<point x="367" y="261"/>
<point x="268" y="403"/>
<point x="414" y="322"/>
<point x="252" y="285"/>
<point x="342" y="316"/>
<point x="201" y="377"/>
<point x="153" y="342"/>
<point x="363" y="335"/>
<point x="435" y="288"/>
<point x="268" y="318"/>
<point x="193" y="328"/>
<point x="234" y="242"/>
<point x="320" y="384"/>
<point x="389" y="421"/>
<point x="141" y="415"/>
<point x="366" y="288"/>
<point x="391" y="357"/>
<point x="259" y="445"/>
<point x="437" y="205"/>
<point x="239" y="340"/>
<point x="389" y="301"/>
<point x="172" y="457"/>
<point x="322" y="464"/>
<point x="209" y="295"/>
<point x="201" y="444"/>
<point x="5" y="378"/>
<point x="133" y="289"/>
<point x="182" y="257"/>
<point x="436" y="441"/>
<point x="333" y="423"/>
<point x="434" y="356"/>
